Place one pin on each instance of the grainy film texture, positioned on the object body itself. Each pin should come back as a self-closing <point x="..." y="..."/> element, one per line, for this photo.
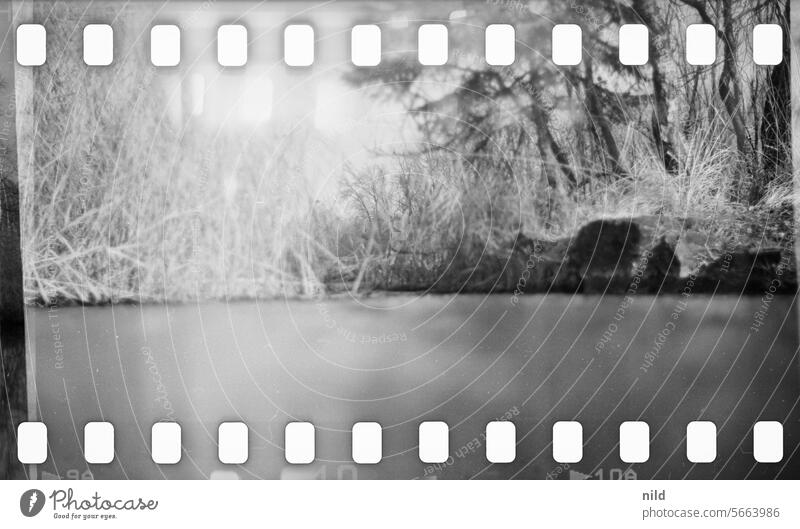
<point x="459" y="213"/>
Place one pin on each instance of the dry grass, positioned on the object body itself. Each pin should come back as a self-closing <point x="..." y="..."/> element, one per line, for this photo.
<point x="125" y="204"/>
<point x="458" y="215"/>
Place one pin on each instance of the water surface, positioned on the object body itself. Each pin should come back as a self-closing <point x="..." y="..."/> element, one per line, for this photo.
<point x="400" y="360"/>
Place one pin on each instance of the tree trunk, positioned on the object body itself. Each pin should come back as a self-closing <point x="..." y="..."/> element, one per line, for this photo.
<point x="728" y="84"/>
<point x="600" y="123"/>
<point x="545" y="141"/>
<point x="659" y="122"/>
<point x="729" y="90"/>
<point x="775" y="120"/>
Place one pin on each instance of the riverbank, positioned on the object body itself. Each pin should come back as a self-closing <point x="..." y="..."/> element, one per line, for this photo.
<point x="652" y="254"/>
<point x="641" y="255"/>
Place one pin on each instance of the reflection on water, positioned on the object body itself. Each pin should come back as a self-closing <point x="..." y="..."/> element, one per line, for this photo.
<point x="399" y="360"/>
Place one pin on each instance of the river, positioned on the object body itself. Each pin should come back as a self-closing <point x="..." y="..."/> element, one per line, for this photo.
<point x="402" y="359"/>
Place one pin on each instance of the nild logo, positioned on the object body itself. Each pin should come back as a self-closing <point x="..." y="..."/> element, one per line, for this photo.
<point x="31" y="502"/>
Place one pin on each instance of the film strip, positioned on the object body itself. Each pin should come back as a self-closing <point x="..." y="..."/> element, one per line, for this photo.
<point x="444" y="240"/>
<point x="365" y="45"/>
<point x="499" y="442"/>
